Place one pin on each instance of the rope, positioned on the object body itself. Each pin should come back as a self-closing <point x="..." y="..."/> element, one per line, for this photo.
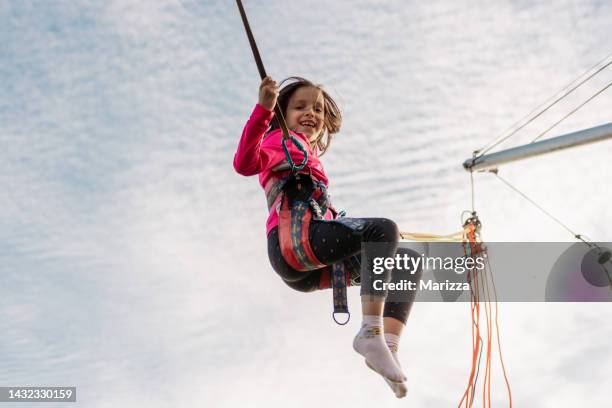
<point x="499" y="347"/>
<point x="572" y="112"/>
<point x="482" y="282"/>
<point x="558" y="221"/>
<point x="277" y="110"/>
<point x="481" y="152"/>
<point x="472" y="188"/>
<point x="424" y="237"/>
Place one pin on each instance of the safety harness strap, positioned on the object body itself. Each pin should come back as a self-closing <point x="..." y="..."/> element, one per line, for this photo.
<point x="294" y="218"/>
<point x="293" y="227"/>
<point x="339" y="290"/>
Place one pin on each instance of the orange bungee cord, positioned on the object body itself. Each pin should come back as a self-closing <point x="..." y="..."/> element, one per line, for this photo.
<point x="482" y="293"/>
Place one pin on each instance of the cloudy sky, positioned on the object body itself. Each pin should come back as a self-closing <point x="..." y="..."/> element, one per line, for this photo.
<point x="133" y="259"/>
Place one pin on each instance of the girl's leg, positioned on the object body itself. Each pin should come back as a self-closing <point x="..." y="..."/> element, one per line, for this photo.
<point x="334" y="241"/>
<point x="393" y="326"/>
<point x="297" y="280"/>
<point x="396" y="312"/>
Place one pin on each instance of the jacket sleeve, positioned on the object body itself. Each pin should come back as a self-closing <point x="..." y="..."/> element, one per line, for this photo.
<point x="248" y="159"/>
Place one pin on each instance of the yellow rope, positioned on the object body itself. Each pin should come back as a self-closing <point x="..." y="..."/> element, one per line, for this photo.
<point x="425" y="237"/>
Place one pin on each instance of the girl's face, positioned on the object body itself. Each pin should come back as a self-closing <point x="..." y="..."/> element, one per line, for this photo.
<point x="305" y="112"/>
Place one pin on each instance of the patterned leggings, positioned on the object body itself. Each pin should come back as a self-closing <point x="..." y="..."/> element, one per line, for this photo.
<point x="335" y="241"/>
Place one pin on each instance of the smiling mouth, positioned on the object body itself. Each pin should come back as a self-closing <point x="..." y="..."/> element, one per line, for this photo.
<point x="308" y="124"/>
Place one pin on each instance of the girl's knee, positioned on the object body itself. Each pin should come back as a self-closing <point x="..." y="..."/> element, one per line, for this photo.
<point x="393" y="228"/>
<point x="388" y="230"/>
<point x="381" y="230"/>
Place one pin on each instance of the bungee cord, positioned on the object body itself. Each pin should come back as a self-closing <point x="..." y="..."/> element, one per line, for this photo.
<point x="499" y="347"/>
<point x="277" y="110"/>
<point x="482" y="284"/>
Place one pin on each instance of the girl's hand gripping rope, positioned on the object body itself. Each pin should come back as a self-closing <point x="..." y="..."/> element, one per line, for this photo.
<point x="268" y="93"/>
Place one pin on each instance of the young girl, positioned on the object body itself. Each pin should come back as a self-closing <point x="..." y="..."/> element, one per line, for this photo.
<point x="313" y="117"/>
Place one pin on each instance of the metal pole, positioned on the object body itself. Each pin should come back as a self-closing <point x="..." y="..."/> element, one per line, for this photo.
<point x="581" y="137"/>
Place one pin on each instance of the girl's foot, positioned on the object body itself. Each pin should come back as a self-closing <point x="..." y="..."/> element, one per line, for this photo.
<point x="370" y="343"/>
<point x="392" y="341"/>
<point x="399" y="388"/>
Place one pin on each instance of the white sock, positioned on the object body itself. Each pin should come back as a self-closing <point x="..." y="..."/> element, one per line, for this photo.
<point x="398" y="388"/>
<point x="392" y="341"/>
<point x="370" y="343"/>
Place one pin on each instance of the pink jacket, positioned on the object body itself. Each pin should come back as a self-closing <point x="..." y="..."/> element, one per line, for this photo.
<point x="258" y="153"/>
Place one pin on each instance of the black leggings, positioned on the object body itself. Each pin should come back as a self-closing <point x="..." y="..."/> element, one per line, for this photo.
<point x="335" y="241"/>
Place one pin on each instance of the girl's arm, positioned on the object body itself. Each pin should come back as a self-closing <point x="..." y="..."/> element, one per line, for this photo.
<point x="248" y="160"/>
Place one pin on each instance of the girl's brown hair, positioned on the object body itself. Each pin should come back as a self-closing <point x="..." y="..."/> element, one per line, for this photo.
<point x="332" y="118"/>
